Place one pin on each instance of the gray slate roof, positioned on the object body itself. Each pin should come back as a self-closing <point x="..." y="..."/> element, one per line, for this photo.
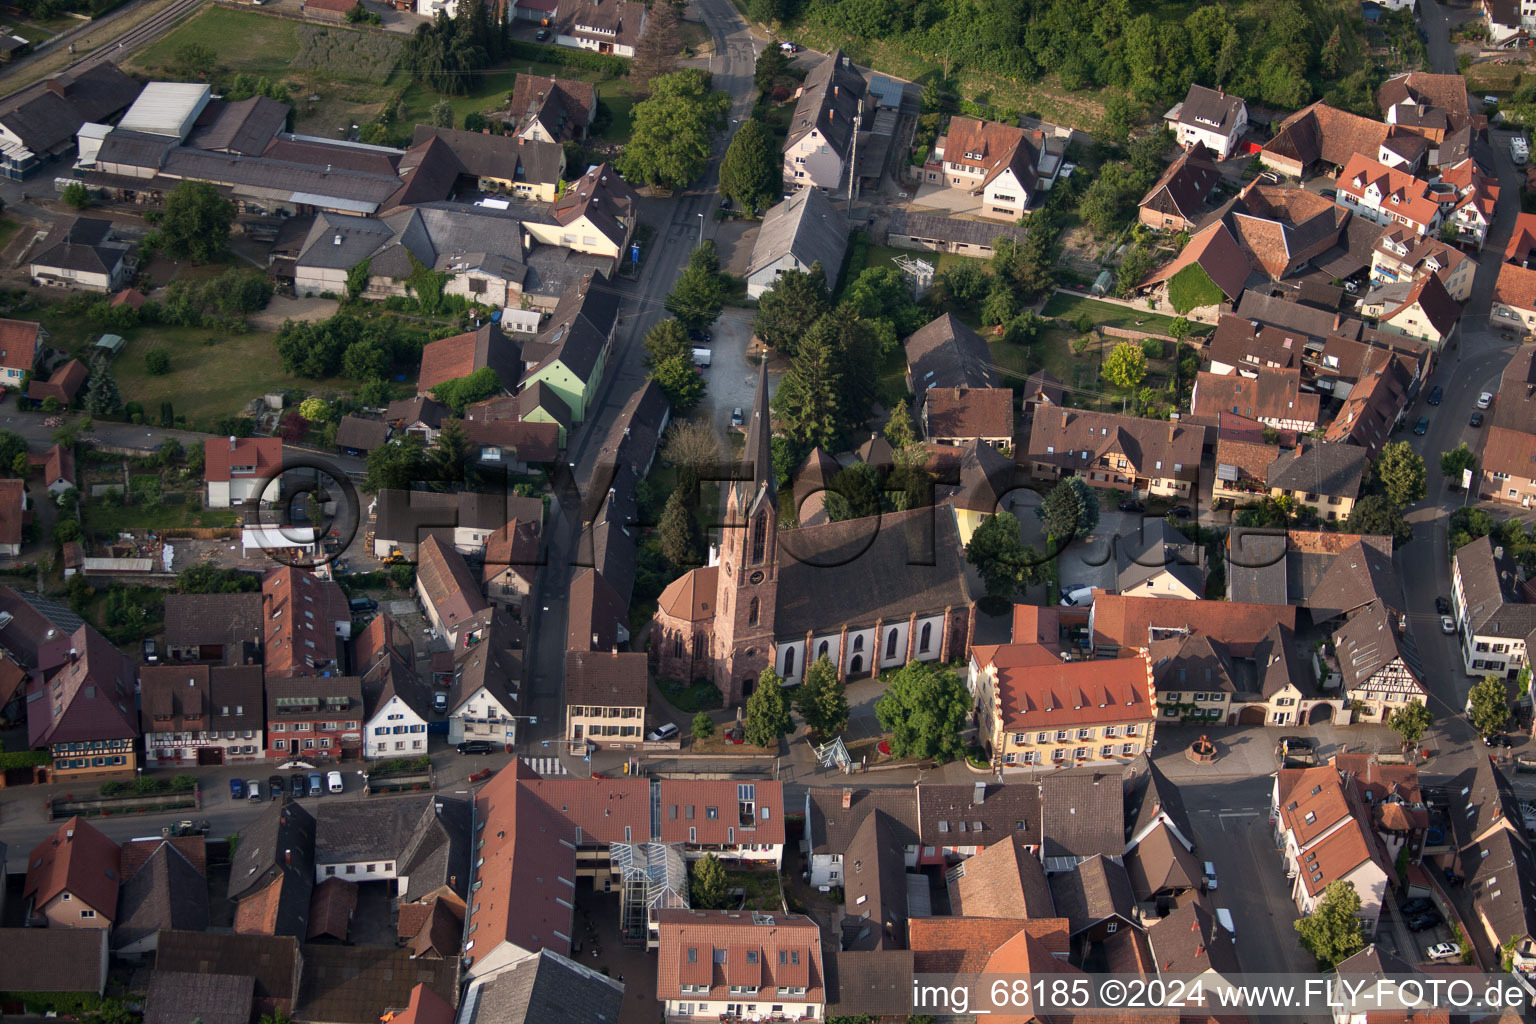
<point x="807" y="225"/>
<point x="279" y="843"/>
<point x="49" y="114"/>
<point x="357" y="830"/>
<point x="832" y="828"/>
<point x="176" y="997"/>
<point x="832" y="93"/>
<point x="1094" y="891"/>
<point x="1148" y="792"/>
<point x="548" y="987"/>
<point x="1490" y="588"/>
<point x="944" y="353"/>
<point x="1358" y="575"/>
<point x="244" y="126"/>
<point x="933" y="227"/>
<point x="497" y="156"/>
<point x="875" y="886"/>
<point x="1322" y="467"/>
<point x="166" y="892"/>
<point x="82" y="244"/>
<point x="1210" y="109"/>
<point x="1082" y="813"/>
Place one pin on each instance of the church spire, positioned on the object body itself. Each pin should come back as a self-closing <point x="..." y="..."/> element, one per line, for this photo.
<point x="757" y="459"/>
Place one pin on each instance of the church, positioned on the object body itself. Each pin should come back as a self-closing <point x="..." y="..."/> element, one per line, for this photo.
<point x="869" y="594"/>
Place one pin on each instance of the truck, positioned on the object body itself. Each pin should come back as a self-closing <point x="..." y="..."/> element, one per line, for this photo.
<point x="701" y="357"/>
<point x="1519" y="149"/>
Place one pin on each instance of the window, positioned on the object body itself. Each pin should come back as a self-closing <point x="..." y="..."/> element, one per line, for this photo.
<point x="924" y="638"/>
<point x="752" y="611"/>
<point x="759" y="540"/>
<point x="1112" y="926"/>
<point x="821" y="649"/>
<point x="890" y="644"/>
<point x="789" y="656"/>
<point x="86" y="915"/>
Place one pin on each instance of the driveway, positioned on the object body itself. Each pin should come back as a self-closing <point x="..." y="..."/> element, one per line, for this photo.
<point x="731" y="377"/>
<point x="1090" y="561"/>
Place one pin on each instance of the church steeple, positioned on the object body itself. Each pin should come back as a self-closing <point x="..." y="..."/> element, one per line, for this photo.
<point x="757" y="459"/>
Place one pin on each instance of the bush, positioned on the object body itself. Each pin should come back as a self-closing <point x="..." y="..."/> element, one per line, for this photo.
<point x="606" y="64"/>
<point x="158" y="362"/>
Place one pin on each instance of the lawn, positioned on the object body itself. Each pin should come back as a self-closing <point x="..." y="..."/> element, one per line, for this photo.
<point x="1070" y="307"/>
<point x="7" y="229"/>
<point x="106" y="517"/>
<point x="884" y="255"/>
<point x="1053" y="352"/>
<point x="690" y="699"/>
<point x="245" y="41"/>
<point x="759" y="889"/>
<point x="493" y="89"/>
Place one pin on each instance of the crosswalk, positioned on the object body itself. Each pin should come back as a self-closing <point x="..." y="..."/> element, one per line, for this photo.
<point x="546" y="766"/>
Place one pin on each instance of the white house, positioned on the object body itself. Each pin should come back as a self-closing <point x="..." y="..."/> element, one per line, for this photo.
<point x="397" y="705"/>
<point x="824" y="126"/>
<point x="487" y="675"/>
<point x="1493" y="626"/>
<point x="1004" y="164"/>
<point x="201" y="714"/>
<point x="1211" y="118"/>
<point x="1324" y="842"/>
<point x="1387" y="195"/>
<point x="805" y="229"/>
<point x="236" y="469"/>
<point x="82" y="254"/>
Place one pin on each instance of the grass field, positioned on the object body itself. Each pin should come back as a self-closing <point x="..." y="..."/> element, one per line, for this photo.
<point x="1069" y="307"/>
<point x="494" y="88"/>
<point x="1052" y="351"/>
<point x="882" y="256"/>
<point x="244" y="41"/>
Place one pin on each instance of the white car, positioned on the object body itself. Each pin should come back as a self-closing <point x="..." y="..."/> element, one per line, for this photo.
<point x="1077" y="597"/>
<point x="1443" y="951"/>
<point x="1447" y="625"/>
<point x="664" y="732"/>
<point x="333" y="782"/>
<point x="1485" y="399"/>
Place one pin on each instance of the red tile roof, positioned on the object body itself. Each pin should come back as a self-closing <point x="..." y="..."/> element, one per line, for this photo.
<point x="426" y="1006"/>
<point x="687" y="803"/>
<point x="12" y="516"/>
<point x="1035" y="688"/>
<point x="136" y="851"/>
<point x="446" y="582"/>
<point x="298" y="644"/>
<point x="771" y="952"/>
<point x="79" y="860"/>
<point x="1122" y="621"/>
<point x="89" y="697"/>
<point x="968" y="412"/>
<point x="18" y="344"/>
<point x="1269" y="395"/>
<point x="265" y="454"/>
<point x="1401" y="193"/>
<point x="64" y="383"/>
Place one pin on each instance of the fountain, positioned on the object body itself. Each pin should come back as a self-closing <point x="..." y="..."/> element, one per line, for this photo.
<point x="1202" y="751"/>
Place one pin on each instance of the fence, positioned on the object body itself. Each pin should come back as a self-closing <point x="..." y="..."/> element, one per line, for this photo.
<point x="63" y="807"/>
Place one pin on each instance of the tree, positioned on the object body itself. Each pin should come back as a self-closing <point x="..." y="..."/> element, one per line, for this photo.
<point x="315" y="409"/>
<point x="822" y="700"/>
<point x="101" y="395"/>
<point x="677" y="531"/>
<point x="459" y="393"/>
<point x="752" y="170"/>
<point x="807" y="398"/>
<point x="1374" y="515"/>
<point x="193" y="60"/>
<point x="703" y="726"/>
<point x="1004" y="561"/>
<point x="787" y="310"/>
<point x="1454" y="462"/>
<point x="699" y="294"/>
<point x="1411" y="721"/>
<point x="442" y="113"/>
<point x="772" y="65"/>
<point x="669" y="143"/>
<point x="1070" y="509"/>
<point x="694" y="449"/>
<point x="854" y="493"/>
<point x="195" y="223"/>
<point x="365" y="359"/>
<point x="666" y="339"/>
<point x="706" y="889"/>
<point x="925" y="708"/>
<point x="1334" y="932"/>
<point x="395" y="465"/>
<point x="679" y="381"/>
<point x="657" y="49"/>
<point x="207" y="578"/>
<point x="1126" y="365"/>
<point x="1180" y="327"/>
<point x="158" y="362"/>
<point x="767" y="715"/>
<point x="1000" y="305"/>
<point x="1488" y="706"/>
<point x="966" y="284"/>
<point x="1399" y="470"/>
<point x="451" y="455"/>
<point x="76" y="195"/>
<point x="293" y="428"/>
<point x="898" y="431"/>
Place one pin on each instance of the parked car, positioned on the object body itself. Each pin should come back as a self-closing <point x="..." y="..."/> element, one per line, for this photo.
<point x="150" y="654"/>
<point x="1476" y="420"/>
<point x="275" y="785"/>
<point x="737" y="418"/>
<point x="440" y="701"/>
<point x="1485" y="399"/>
<point x="362" y="604"/>
<point x="252" y="789"/>
<point x="662" y="732"/>
<point x="1297" y="743"/>
<point x="790" y="48"/>
<point x="1422" y="427"/>
<point x="1209" y="878"/>
<point x="1443" y="951"/>
<point x="1181" y="512"/>
<point x="1442" y="606"/>
<point x="1329" y="193"/>
<point x="1498" y="739"/>
<point x="476" y="747"/>
<point x="1436" y="393"/>
<point x="298" y="785"/>
<point x="1418" y="905"/>
<point x="542" y="35"/>
<point x="316" y="786"/>
<point x="237" y="789"/>
<point x="333" y="782"/>
<point x="1132" y="505"/>
<point x="699" y="337"/>
<point x="1419" y="922"/>
<point x="1447" y="625"/>
<point x="1077" y="598"/>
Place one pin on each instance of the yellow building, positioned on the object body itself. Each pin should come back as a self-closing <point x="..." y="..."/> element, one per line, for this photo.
<point x="605" y="696"/>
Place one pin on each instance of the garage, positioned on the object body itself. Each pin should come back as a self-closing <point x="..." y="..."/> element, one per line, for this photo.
<point x="1252" y="714"/>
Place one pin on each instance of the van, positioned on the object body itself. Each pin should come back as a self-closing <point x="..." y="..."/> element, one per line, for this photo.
<point x="362" y="604"/>
<point x="701" y="357"/>
<point x="1519" y="149"/>
<point x="1209" y="878"/>
<point x="1224" y="918"/>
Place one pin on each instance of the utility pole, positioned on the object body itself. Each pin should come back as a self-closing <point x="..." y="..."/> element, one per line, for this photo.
<point x="853" y="162"/>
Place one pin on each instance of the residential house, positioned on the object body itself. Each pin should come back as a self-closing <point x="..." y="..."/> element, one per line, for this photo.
<point x="605" y="699"/>
<point x="273" y="960"/>
<point x="1508" y="474"/>
<point x="271" y="872"/>
<point x="1273" y="397"/>
<point x="571" y="352"/>
<point x="1159" y="561"/>
<point x="1210" y="118"/>
<point x="167" y="892"/>
<point x="314" y="717"/>
<point x="1096" y="898"/>
<point x="1032" y="712"/>
<point x="928" y="232"/>
<point x="39" y="125"/>
<point x="1153" y="803"/>
<point x="421" y="416"/>
<point x="956" y="416"/>
<point x="465" y="520"/>
<point x="397" y="704"/>
<point x="418" y="844"/>
<point x="20" y="343"/>
<point x="220" y="628"/>
<point x="1369" y="660"/>
<point x="463" y="354"/>
<point x="447" y="589"/>
<point x="1322" y="474"/>
<point x="1320" y="136"/>
<point x="804" y="231"/>
<point x="1245" y="345"/>
<point x="306" y="618"/>
<point x="945" y="353"/>
<point x="357" y="436"/>
<point x="1215" y="251"/>
<point x="15" y="512"/>
<point x="822" y="129"/>
<point x="72" y="879"/>
<point x="1388" y="196"/>
<point x="80" y="707"/>
<point x="1375" y="404"/>
<point x="1514" y="292"/>
<point x="242" y="469"/>
<point x="731" y="819"/>
<point x="1325" y="835"/>
<point x="1191" y="941"/>
<point x="1243" y="457"/>
<point x="201" y="714"/>
<point x="595" y="215"/>
<point x="62" y="385"/>
<point x="603" y="26"/>
<point x="58" y="466"/>
<point x="487" y="680"/>
<point x="524" y="166"/>
<point x="82" y="253"/>
<point x="1003" y="164"/>
<point x="1434" y="107"/>
<point x="512" y="561"/>
<point x="54" y="960"/>
<point x="1494" y="624"/>
<point x="1177" y="200"/>
<point x="542" y="986"/>
<point x="211" y="998"/>
<point x="1400" y="255"/>
<point x="1477" y="198"/>
<point x="359" y="984"/>
<point x="1120" y="621"/>
<point x="1285" y="230"/>
<point x="985" y="485"/>
<point x="538" y="403"/>
<point x="1005" y="880"/>
<point x="715" y="961"/>
<point x="551" y="109"/>
<point x="1420" y="309"/>
<point x="1116" y="452"/>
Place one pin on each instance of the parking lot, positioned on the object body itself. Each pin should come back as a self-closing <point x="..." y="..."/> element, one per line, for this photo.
<point x="1090" y="561"/>
<point x="730" y="376"/>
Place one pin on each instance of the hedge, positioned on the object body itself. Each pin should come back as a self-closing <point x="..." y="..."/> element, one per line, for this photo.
<point x="1192" y="288"/>
<point x="565" y="56"/>
<point x="71" y="1004"/>
<point x="23" y="759"/>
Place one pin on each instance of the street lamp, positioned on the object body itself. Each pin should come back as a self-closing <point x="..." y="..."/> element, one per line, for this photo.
<point x="701" y="231"/>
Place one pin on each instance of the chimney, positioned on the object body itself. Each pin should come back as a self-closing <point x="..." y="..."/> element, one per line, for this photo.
<point x="847" y="798"/>
<point x="834" y="89"/>
<point x="231" y="442"/>
<point x="1064" y="417"/>
<point x="1338" y="318"/>
<point x="288" y="858"/>
<point x="615" y="650"/>
<point x="595" y="640"/>
<point x="521" y="140"/>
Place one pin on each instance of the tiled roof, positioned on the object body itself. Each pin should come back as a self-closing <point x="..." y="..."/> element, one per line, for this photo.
<point x="1184" y="186"/>
<point x="463" y="354"/>
<point x="1490" y="587"/>
<point x="546" y="987"/>
<point x="89" y="697"/>
<point x="63" y="383"/>
<point x="606" y="678"/>
<point x="272" y="959"/>
<point x="1096" y="890"/>
<point x="831" y="826"/>
<point x="1367" y="644"/>
<point x="272" y="869"/>
<point x="988" y="148"/>
<point x="53" y="959"/>
<point x="300" y="614"/>
<point x="946" y="353"/>
<point x="690" y="595"/>
<point x="1399" y="192"/>
<point x="875" y="886"/>
<point x="831" y="95"/>
<point x="1268" y="395"/>
<point x="1215" y="250"/>
<point x="447" y="584"/>
<point x="135" y="852"/>
<point x="1003" y="880"/>
<point x="18" y="342"/>
<point x="807" y="226"/>
<point x="1061" y="437"/>
<point x="562" y="105"/>
<point x="78" y="860"/>
<point x="360" y="984"/>
<point x="1210" y="109"/>
<point x="1190" y="941"/>
<point x="1326" y="133"/>
<point x="1124" y="621"/>
<point x="969" y="412"/>
<point x="178" y="996"/>
<point x="1082" y="814"/>
<point x="711" y="807"/>
<point x="720" y="948"/>
<point x="1359" y="574"/>
<point x="167" y="892"/>
<point x="264" y="456"/>
<point x="959" y="945"/>
<point x="1161" y="864"/>
<point x="1036" y="689"/>
<point x="1333" y="470"/>
<point x="362" y="434"/>
<point x="1150" y="796"/>
<point x="330" y="909"/>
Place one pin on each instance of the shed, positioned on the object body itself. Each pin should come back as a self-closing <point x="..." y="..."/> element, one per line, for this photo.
<point x="1103" y="283"/>
<point x="112" y="344"/>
